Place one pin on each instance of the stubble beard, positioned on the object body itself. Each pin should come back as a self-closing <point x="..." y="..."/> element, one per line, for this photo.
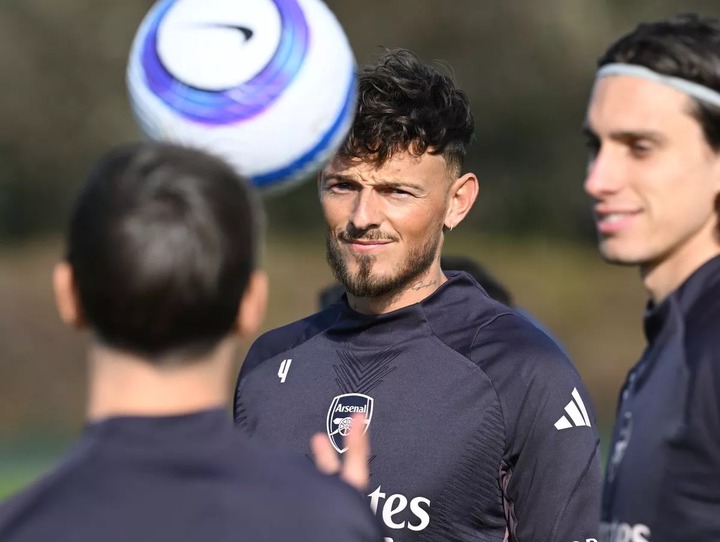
<point x="363" y="283"/>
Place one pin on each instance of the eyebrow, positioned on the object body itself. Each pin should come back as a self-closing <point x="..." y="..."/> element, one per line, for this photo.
<point x="389" y="183"/>
<point x="626" y="135"/>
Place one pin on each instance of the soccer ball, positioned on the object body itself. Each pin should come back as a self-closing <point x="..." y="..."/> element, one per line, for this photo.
<point x="268" y="85"/>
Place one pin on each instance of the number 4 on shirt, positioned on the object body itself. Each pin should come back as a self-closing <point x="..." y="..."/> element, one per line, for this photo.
<point x="284" y="369"/>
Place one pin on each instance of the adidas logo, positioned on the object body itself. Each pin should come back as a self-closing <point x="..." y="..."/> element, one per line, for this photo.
<point x="576" y="414"/>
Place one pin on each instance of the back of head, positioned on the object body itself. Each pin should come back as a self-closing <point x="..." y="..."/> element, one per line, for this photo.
<point x="162" y="243"/>
<point x="405" y="105"/>
<point x="687" y="47"/>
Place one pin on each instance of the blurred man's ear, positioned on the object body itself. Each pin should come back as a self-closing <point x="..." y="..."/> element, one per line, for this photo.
<point x="66" y="298"/>
<point x="251" y="311"/>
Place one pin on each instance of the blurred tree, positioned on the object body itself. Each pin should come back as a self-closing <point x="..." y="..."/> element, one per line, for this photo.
<point x="527" y="67"/>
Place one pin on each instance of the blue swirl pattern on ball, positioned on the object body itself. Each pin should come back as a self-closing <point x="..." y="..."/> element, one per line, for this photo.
<point x="309" y="158"/>
<point x="238" y="103"/>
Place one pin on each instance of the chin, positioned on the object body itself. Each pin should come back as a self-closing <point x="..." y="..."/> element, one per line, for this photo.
<point x="620" y="255"/>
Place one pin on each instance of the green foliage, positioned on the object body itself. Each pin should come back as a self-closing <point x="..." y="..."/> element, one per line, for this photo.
<point x="527" y="68"/>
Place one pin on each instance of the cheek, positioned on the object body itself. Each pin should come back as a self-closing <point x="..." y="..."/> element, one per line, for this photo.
<point x="408" y="221"/>
<point x="333" y="212"/>
<point x="420" y="219"/>
<point x="685" y="173"/>
<point x="680" y="201"/>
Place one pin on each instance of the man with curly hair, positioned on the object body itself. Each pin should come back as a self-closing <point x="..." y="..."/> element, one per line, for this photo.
<point x="480" y="426"/>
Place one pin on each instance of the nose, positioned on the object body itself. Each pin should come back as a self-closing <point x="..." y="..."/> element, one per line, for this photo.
<point x="604" y="174"/>
<point x="366" y="213"/>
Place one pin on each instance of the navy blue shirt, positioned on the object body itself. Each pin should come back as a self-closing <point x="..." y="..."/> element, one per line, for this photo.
<point x="663" y="474"/>
<point x="480" y="427"/>
<point x="180" y="479"/>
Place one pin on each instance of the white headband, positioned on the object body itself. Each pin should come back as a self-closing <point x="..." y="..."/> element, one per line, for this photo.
<point x="700" y="92"/>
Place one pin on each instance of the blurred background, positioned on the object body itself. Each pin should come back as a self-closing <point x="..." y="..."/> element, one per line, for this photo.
<point x="527" y="66"/>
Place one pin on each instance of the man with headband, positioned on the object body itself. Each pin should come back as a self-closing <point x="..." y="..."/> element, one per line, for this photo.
<point x="653" y="131"/>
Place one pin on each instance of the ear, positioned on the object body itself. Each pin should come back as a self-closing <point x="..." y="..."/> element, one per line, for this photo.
<point x="253" y="303"/>
<point x="66" y="298"/>
<point x="463" y="193"/>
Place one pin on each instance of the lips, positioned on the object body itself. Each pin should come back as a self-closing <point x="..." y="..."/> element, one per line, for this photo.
<point x="612" y="221"/>
<point x="360" y="245"/>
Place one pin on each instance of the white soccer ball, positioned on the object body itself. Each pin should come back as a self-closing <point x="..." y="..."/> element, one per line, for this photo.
<point x="269" y="85"/>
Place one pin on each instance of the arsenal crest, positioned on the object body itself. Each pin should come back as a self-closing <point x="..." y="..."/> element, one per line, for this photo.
<point x="339" y="417"/>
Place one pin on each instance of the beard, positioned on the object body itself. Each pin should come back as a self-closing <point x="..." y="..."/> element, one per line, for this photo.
<point x="363" y="283"/>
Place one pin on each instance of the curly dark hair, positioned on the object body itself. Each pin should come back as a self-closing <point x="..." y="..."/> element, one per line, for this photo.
<point x="406" y="105"/>
<point x="685" y="46"/>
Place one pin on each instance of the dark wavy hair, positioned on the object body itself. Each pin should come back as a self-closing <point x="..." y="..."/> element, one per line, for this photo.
<point x="685" y="46"/>
<point x="406" y="105"/>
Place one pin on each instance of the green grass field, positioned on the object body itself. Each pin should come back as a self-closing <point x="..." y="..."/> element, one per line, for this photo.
<point x="13" y="478"/>
<point x="24" y="459"/>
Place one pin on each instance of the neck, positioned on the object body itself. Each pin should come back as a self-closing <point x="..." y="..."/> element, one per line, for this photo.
<point x="125" y="385"/>
<point x="663" y="277"/>
<point x="416" y="291"/>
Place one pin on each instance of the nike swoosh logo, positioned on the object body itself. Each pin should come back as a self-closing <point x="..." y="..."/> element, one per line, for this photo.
<point x="245" y="31"/>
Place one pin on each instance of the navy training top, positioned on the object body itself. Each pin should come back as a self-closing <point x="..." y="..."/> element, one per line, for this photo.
<point x="480" y="427"/>
<point x="663" y="474"/>
<point x="190" y="478"/>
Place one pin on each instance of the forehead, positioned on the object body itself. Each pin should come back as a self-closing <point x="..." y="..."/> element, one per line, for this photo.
<point x="627" y="103"/>
<point x="402" y="166"/>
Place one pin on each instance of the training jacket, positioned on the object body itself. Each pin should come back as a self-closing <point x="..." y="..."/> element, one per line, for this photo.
<point x="190" y="478"/>
<point x="480" y="427"/>
<point x="663" y="474"/>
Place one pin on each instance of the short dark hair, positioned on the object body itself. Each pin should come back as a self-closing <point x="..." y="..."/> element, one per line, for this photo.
<point x="405" y="105"/>
<point x="685" y="46"/>
<point x="162" y="242"/>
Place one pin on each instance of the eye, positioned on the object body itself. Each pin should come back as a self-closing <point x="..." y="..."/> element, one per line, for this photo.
<point x="396" y="192"/>
<point x="592" y="144"/>
<point x="340" y="187"/>
<point x="640" y="148"/>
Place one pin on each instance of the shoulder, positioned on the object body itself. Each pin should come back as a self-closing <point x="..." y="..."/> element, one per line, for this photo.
<point x="702" y="320"/>
<point x="524" y="364"/>
<point x="280" y="339"/>
<point x="40" y="509"/>
<point x="515" y="355"/>
<point x="701" y="339"/>
<point x="493" y="336"/>
<point x="458" y="311"/>
<point x="535" y="382"/>
<point x="701" y="343"/>
<point x="529" y="347"/>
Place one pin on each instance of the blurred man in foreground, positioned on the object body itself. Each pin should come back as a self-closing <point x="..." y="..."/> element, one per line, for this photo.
<point x="653" y="131"/>
<point x="161" y="267"/>
<point x="480" y="427"/>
